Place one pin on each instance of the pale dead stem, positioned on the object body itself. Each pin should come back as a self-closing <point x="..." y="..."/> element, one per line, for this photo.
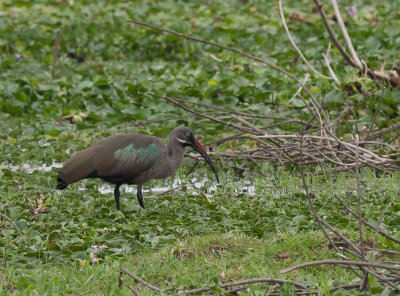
<point x="342" y="262"/>
<point x="345" y="34"/>
<point x="300" y="289"/>
<point x="243" y="284"/>
<point x="14" y="225"/>
<point x="299" y="51"/>
<point x="377" y="229"/>
<point x="391" y="78"/>
<point x="328" y="64"/>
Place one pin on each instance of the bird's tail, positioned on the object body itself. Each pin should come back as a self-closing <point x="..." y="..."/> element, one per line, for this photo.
<point x="61" y="183"/>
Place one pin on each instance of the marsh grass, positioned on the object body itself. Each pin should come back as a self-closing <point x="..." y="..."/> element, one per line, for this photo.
<point x="182" y="239"/>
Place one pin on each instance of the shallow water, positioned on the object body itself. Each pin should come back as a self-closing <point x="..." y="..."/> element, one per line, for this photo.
<point x="29" y="168"/>
<point x="247" y="188"/>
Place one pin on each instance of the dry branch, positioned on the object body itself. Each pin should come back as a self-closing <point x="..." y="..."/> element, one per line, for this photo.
<point x="226" y="286"/>
<point x="296" y="48"/>
<point x="377" y="229"/>
<point x="391" y="78"/>
<point x="345" y="34"/>
<point x="247" y="55"/>
<point x="360" y="224"/>
<point x="14" y="225"/>
<point x="341" y="262"/>
<point x="328" y="64"/>
<point x="139" y="280"/>
<point x="344" y="287"/>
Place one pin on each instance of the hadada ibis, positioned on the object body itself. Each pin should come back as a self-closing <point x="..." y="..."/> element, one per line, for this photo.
<point x="131" y="159"/>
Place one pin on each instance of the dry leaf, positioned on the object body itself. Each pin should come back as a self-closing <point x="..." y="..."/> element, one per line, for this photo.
<point x="296" y="17"/>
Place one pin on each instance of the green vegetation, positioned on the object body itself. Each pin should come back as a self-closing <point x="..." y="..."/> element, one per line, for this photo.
<point x="184" y="239"/>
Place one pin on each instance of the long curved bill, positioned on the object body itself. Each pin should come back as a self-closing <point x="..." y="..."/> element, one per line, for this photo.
<point x="199" y="148"/>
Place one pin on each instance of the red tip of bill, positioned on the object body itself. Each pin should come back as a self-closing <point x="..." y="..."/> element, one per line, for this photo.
<point x="198" y="143"/>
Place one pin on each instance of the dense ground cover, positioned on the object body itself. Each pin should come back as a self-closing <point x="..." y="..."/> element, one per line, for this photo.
<point x="184" y="239"/>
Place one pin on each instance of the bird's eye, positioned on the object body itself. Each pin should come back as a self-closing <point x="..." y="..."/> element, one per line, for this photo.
<point x="187" y="134"/>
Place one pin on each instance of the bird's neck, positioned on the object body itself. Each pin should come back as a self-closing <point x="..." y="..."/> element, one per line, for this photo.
<point x="171" y="160"/>
<point x="175" y="153"/>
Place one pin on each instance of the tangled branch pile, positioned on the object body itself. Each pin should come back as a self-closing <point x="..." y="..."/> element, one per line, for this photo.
<point x="317" y="142"/>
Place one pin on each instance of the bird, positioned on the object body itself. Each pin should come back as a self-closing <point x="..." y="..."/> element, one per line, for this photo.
<point x="131" y="159"/>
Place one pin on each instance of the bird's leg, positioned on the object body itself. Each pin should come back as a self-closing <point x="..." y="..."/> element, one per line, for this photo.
<point x="140" y="195"/>
<point x="116" y="196"/>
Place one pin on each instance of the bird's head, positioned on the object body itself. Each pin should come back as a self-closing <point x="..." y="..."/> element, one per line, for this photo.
<point x="184" y="136"/>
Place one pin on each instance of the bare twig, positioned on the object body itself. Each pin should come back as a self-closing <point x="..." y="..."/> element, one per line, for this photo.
<point x="139" y="280"/>
<point x="328" y="64"/>
<point x="377" y="229"/>
<point x="314" y="212"/>
<point x="375" y="115"/>
<point x="383" y="278"/>
<point x="245" y="282"/>
<point x="167" y="191"/>
<point x="251" y="126"/>
<point x="131" y="289"/>
<point x="345" y="34"/>
<point x="15" y="226"/>
<point x="387" y="251"/>
<point x="120" y="278"/>
<point x="215" y="45"/>
<point x="243" y="114"/>
<point x="381" y="133"/>
<point x="169" y="99"/>
<point x="5" y="255"/>
<point x="252" y="57"/>
<point x="390" y="78"/>
<point x="332" y="35"/>
<point x="232" y="291"/>
<point x="264" y="280"/>
<point x="142" y="123"/>
<point x="344" y="148"/>
<point x="206" y="289"/>
<point x="295" y="46"/>
<point x="391" y="124"/>
<point x="344" y="287"/>
<point x="304" y="82"/>
<point x="385" y="290"/>
<point x="343" y="262"/>
<point x="364" y="281"/>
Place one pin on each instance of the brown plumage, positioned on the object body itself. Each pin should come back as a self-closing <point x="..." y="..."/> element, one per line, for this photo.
<point x="130" y="159"/>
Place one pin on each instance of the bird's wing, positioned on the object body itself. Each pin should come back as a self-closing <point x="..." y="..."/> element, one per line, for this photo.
<point x="124" y="157"/>
<point x="118" y="158"/>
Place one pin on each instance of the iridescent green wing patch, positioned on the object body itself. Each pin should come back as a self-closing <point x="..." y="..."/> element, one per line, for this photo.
<point x="129" y="156"/>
